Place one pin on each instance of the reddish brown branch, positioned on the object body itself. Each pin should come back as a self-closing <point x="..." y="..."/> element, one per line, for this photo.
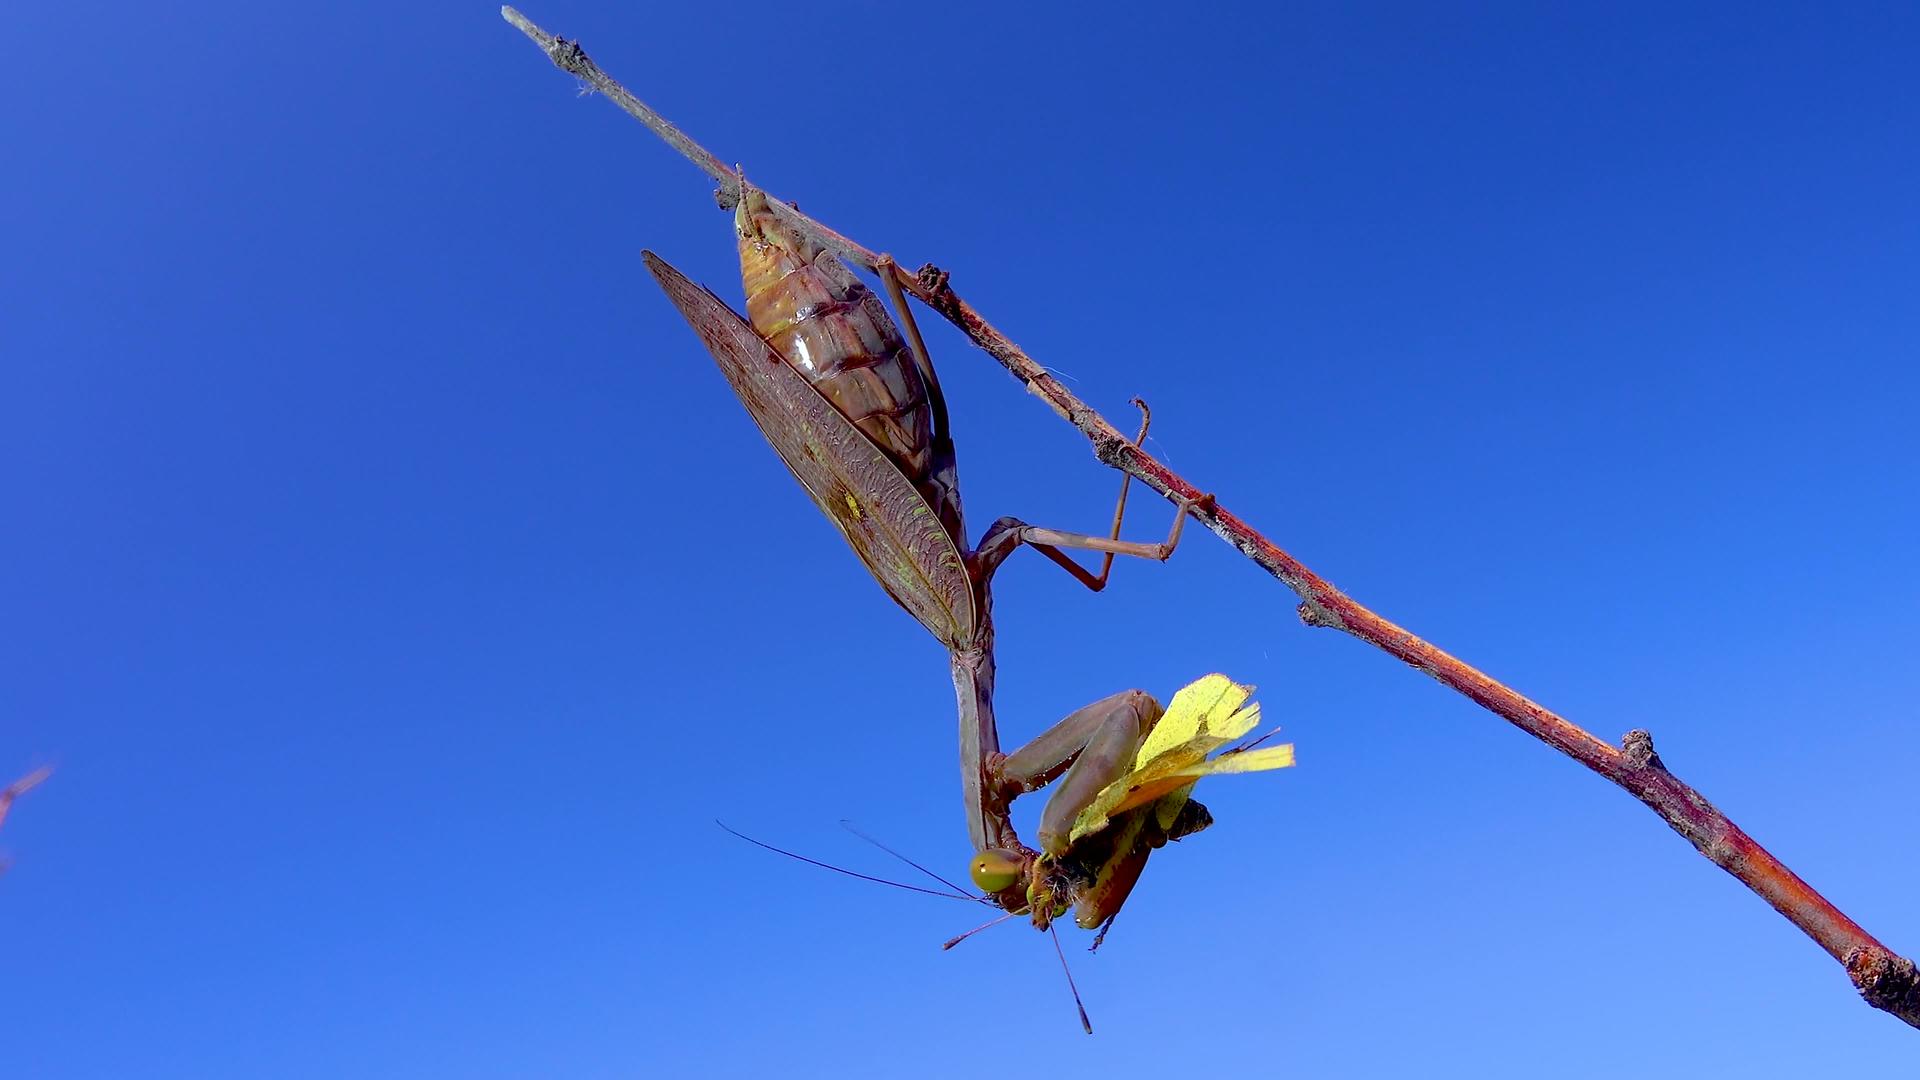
<point x="1886" y="980"/>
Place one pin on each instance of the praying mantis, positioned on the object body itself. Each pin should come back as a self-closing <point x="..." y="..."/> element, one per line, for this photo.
<point x="857" y="415"/>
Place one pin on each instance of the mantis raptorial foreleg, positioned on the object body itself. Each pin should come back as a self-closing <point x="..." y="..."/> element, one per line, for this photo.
<point x="1093" y="746"/>
<point x="1088" y="752"/>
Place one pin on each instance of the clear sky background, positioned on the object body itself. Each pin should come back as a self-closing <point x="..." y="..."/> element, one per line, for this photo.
<point x="401" y="594"/>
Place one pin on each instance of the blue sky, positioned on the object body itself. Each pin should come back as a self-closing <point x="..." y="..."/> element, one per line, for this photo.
<point x="400" y="593"/>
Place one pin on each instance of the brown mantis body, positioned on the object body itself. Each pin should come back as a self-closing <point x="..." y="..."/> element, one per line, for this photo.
<point x="858" y="417"/>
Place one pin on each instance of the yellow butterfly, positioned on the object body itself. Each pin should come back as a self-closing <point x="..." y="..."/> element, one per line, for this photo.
<point x="1203" y="717"/>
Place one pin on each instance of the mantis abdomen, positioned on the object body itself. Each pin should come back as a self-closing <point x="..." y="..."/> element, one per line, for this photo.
<point x="836" y="333"/>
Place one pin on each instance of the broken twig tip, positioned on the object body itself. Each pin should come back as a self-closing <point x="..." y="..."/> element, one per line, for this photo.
<point x="1637" y="747"/>
<point x="1316" y="614"/>
<point x="933" y="279"/>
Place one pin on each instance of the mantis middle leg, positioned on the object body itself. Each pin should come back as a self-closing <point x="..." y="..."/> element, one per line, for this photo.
<point x="1008" y="533"/>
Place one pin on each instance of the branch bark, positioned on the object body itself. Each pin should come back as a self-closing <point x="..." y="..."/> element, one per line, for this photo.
<point x="1884" y="979"/>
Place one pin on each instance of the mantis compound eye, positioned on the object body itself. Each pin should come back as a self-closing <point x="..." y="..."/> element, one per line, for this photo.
<point x="997" y="869"/>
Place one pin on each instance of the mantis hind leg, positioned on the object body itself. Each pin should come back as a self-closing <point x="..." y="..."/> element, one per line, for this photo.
<point x="889" y="272"/>
<point x="1090" y="748"/>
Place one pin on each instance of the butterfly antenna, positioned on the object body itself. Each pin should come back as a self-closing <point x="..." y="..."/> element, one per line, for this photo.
<point x="842" y="869"/>
<point x="952" y="941"/>
<point x="850" y="827"/>
<point x="1246" y="746"/>
<point x="1086" y="1025"/>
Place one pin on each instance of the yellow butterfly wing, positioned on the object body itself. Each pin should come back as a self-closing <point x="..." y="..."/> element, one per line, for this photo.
<point x="1202" y="717"/>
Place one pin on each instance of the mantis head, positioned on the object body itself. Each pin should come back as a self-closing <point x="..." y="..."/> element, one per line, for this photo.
<point x="1020" y="880"/>
<point x="1091" y="877"/>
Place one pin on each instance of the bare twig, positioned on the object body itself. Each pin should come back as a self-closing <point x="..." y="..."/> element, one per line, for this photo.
<point x="20" y="787"/>
<point x="15" y="790"/>
<point x="1885" y="979"/>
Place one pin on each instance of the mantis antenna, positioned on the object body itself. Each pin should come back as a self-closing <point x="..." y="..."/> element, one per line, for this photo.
<point x="1086" y="1025"/>
<point x="955" y="895"/>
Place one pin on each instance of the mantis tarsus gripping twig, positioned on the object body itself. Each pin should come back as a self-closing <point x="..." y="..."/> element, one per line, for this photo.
<point x="1885" y="979"/>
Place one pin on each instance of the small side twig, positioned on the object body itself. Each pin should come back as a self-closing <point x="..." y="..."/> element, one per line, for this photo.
<point x="1885" y="979"/>
<point x="15" y="790"/>
<point x="21" y="787"/>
